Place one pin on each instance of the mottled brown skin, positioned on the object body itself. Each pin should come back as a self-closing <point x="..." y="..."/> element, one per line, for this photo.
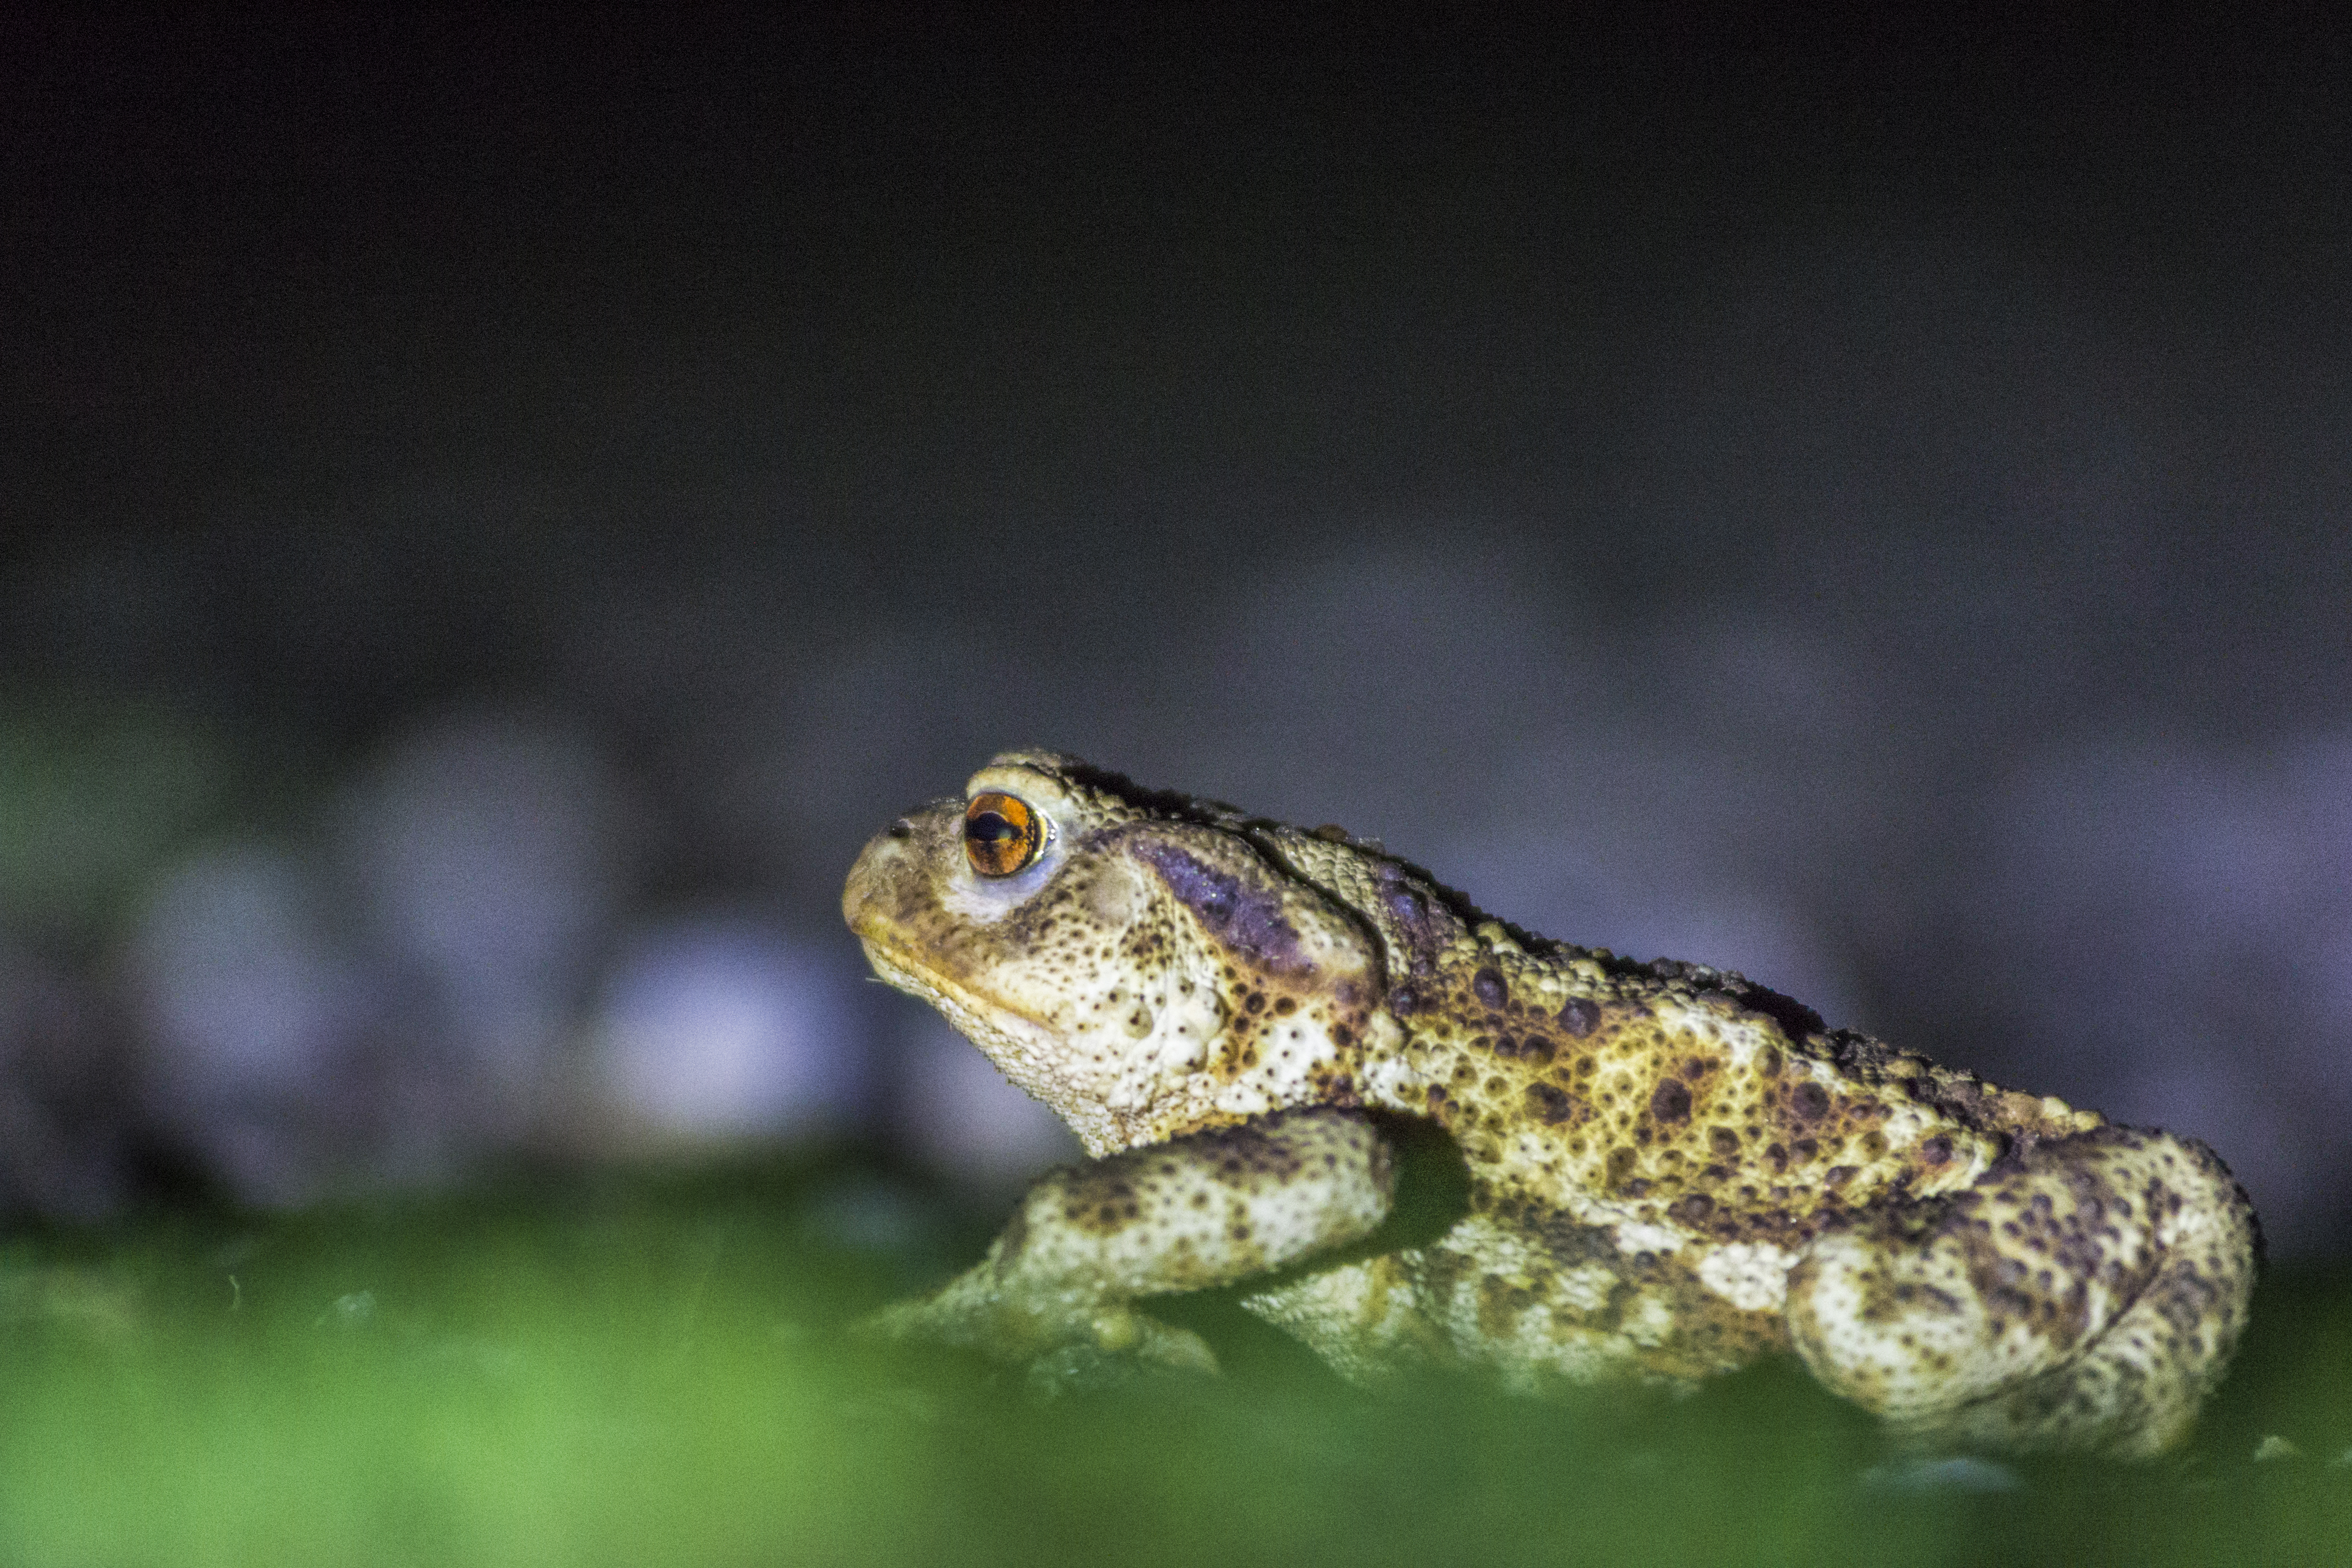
<point x="1669" y="1172"/>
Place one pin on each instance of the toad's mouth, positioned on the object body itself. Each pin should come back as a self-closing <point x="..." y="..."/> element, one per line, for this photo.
<point x="1001" y="1030"/>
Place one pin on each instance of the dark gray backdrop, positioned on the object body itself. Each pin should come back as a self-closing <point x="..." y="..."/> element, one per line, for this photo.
<point x="1862" y="504"/>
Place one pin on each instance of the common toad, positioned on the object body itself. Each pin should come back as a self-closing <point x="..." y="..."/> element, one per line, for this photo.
<point x="1663" y="1170"/>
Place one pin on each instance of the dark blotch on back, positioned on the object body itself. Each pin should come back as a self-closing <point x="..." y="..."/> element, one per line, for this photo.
<point x="1488" y="985"/>
<point x="1247" y="920"/>
<point x="1671" y="1101"/>
<point x="1427" y="926"/>
<point x="1579" y="1016"/>
<point x="1691" y="1209"/>
<point x="1530" y="1047"/>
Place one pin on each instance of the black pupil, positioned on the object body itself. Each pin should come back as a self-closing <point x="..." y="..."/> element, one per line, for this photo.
<point x="989" y="827"/>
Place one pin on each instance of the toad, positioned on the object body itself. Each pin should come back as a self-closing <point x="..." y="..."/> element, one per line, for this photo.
<point x="1659" y="1172"/>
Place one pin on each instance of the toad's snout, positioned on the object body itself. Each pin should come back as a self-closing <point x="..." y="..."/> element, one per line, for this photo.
<point x="886" y="884"/>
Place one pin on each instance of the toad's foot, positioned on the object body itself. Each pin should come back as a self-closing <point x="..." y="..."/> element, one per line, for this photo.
<point x="1065" y="1340"/>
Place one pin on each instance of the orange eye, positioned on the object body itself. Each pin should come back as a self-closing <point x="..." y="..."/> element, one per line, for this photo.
<point x="1001" y="834"/>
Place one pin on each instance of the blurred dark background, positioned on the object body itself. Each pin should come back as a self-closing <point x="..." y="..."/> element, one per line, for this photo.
<point x="495" y="516"/>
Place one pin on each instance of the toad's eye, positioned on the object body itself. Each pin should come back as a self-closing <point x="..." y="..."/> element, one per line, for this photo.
<point x="1001" y="834"/>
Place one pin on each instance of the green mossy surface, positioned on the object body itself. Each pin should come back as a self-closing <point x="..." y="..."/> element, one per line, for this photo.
<point x="645" y="1366"/>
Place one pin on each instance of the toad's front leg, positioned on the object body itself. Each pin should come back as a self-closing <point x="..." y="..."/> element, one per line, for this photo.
<point x="1207" y="1209"/>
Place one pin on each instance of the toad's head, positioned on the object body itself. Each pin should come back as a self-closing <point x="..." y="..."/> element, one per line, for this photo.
<point x="1145" y="963"/>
